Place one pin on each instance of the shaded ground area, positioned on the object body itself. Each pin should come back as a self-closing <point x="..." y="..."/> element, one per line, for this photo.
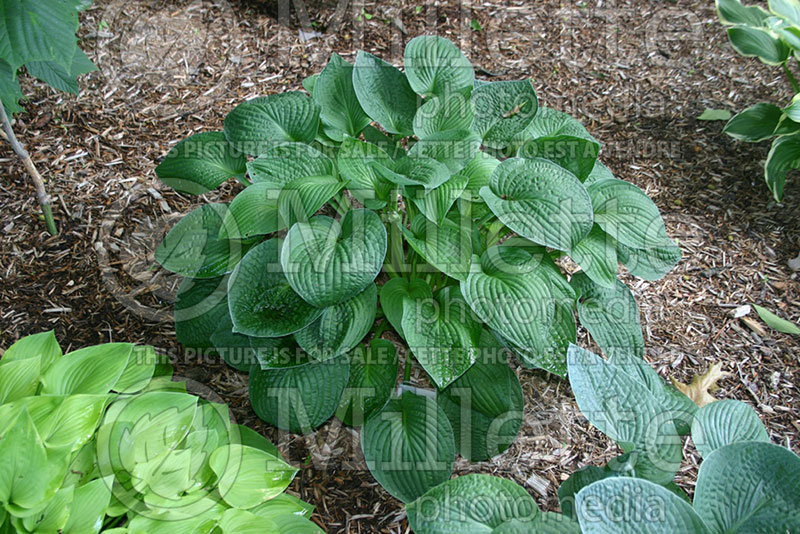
<point x="636" y="73"/>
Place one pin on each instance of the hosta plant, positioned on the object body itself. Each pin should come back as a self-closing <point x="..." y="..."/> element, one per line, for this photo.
<point x="102" y="440"/>
<point x="425" y="202"/>
<point x="773" y="36"/>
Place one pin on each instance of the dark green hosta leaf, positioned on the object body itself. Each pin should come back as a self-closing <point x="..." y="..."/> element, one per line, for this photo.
<point x="58" y="76"/>
<point x="733" y="12"/>
<point x="299" y="398"/>
<point x="557" y="136"/>
<point x="577" y="481"/>
<point x="540" y="200"/>
<point x="384" y="94"/>
<point x="484" y="405"/>
<point x="365" y="183"/>
<point x="266" y="207"/>
<point x="373" y="374"/>
<point x="414" y="171"/>
<point x="447" y="246"/>
<point x="454" y="148"/>
<point x="749" y="487"/>
<point x="38" y="31"/>
<point x="435" y="66"/>
<point x="452" y="111"/>
<point x="758" y="42"/>
<point x="624" y="409"/>
<point x="200" y="163"/>
<point x="650" y="263"/>
<point x="394" y="291"/>
<point x="596" y="254"/>
<point x="340" y="327"/>
<point x="409" y="446"/>
<point x="261" y="301"/>
<point x="755" y="123"/>
<point x="341" y="113"/>
<point x="472" y="504"/>
<point x="502" y="110"/>
<point x="725" y="422"/>
<point x="610" y="315"/>
<point x="649" y="509"/>
<point x="288" y="161"/>
<point x="232" y="347"/>
<point x="436" y="203"/>
<point x="627" y="214"/>
<point x="256" y="125"/>
<point x="194" y="249"/>
<point x="309" y="83"/>
<point x="200" y="307"/>
<point x="277" y="352"/>
<point x="327" y="261"/>
<point x="783" y="156"/>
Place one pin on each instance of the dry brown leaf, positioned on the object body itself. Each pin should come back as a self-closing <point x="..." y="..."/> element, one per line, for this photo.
<point x="701" y="386"/>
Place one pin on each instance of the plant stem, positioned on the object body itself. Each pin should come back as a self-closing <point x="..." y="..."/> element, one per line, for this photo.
<point x="791" y="77"/>
<point x="38" y="183"/>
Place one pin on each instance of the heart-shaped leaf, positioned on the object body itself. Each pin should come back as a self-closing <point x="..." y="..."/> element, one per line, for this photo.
<point x="384" y="94"/>
<point x="725" y="422"/>
<point x="364" y="181"/>
<point x="261" y="301"/>
<point x="446" y="246"/>
<point x="394" y="291"/>
<point x="452" y="111"/>
<point x="416" y="171"/>
<point x="454" y="148"/>
<point x="200" y="306"/>
<point x="436" y="203"/>
<point x="435" y="66"/>
<point x="596" y="254"/>
<point x="409" y="446"/>
<point x="286" y="162"/>
<point x="200" y="163"/>
<point x="540" y="200"/>
<point x="341" y="113"/>
<point x="650" y="263"/>
<point x="327" y="261"/>
<point x="502" y="110"/>
<point x="373" y="373"/>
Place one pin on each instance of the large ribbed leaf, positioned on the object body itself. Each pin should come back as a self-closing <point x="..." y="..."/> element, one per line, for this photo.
<point x="442" y="113"/>
<point x="394" y="291"/>
<point x="599" y="173"/>
<point x="446" y="246"/>
<point x="650" y="263"/>
<point x="384" y="93"/>
<point x="435" y="66"/>
<point x="436" y="203"/>
<point x="341" y="326"/>
<point x="341" y="113"/>
<point x="261" y="301"/>
<point x="749" y="487"/>
<point x="596" y="254"/>
<point x="327" y="261"/>
<point x="32" y="30"/>
<point x="10" y="92"/>
<point x="58" y="76"/>
<point x="409" y="446"/>
<point x="416" y="171"/>
<point x="627" y="214"/>
<point x="540" y="200"/>
<point x="256" y="125"/>
<point x="373" y="374"/>
<point x="200" y="307"/>
<point x="288" y="161"/>
<point x="544" y="523"/>
<point x="724" y="422"/>
<point x="233" y="348"/>
<point x="472" y="504"/>
<point x="479" y="171"/>
<point x="599" y="507"/>
<point x="364" y="182"/>
<point x="193" y="247"/>
<point x="502" y="110"/>
<point x="200" y="163"/>
<point x="454" y="148"/>
<point x="299" y="398"/>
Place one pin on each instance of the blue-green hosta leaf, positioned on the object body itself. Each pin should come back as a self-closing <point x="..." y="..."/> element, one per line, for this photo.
<point x="502" y="110"/>
<point x="265" y="207"/>
<point x="341" y="113"/>
<point x="91" y="370"/>
<point x="194" y="248"/>
<point x="261" y="301"/>
<point x="484" y="405"/>
<point x="540" y="200"/>
<point x="394" y="291"/>
<point x="286" y="162"/>
<point x="788" y="9"/>
<point x="760" y="43"/>
<point x="436" y="203"/>
<point x="384" y="94"/>
<point x="200" y="306"/>
<point x="327" y="261"/>
<point x="373" y="373"/>
<point x="10" y="92"/>
<point x="596" y="254"/>
<point x="341" y="326"/>
<point x="299" y="398"/>
<point x="454" y="148"/>
<point x="557" y="136"/>
<point x="409" y="446"/>
<point x="624" y="409"/>
<point x="364" y="181"/>
<point x="447" y="246"/>
<point x="19" y="378"/>
<point x="749" y="487"/>
<point x="650" y="263"/>
<point x="248" y="476"/>
<point x="479" y="172"/>
<point x="544" y="523"/>
<point x="627" y="214"/>
<point x="733" y="12"/>
<point x="649" y="509"/>
<point x="442" y="113"/>
<point x="23" y="473"/>
<point x="259" y="124"/>
<point x="389" y="144"/>
<point x="309" y="83"/>
<point x="471" y="504"/>
<point x="414" y="171"/>
<point x="56" y="75"/>
<point x="755" y="123"/>
<point x="610" y="315"/>
<point x="435" y="66"/>
<point x="88" y="507"/>
<point x="599" y="173"/>
<point x="783" y="156"/>
<point x="37" y="31"/>
<point x="724" y="422"/>
<point x="43" y="345"/>
<point x="200" y="163"/>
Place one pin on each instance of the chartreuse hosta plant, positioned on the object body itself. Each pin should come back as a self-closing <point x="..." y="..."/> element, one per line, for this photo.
<point x="773" y="36"/>
<point x="422" y="201"/>
<point x="102" y="440"/>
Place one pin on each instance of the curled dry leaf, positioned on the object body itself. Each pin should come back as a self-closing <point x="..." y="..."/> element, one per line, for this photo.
<point x="701" y="386"/>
